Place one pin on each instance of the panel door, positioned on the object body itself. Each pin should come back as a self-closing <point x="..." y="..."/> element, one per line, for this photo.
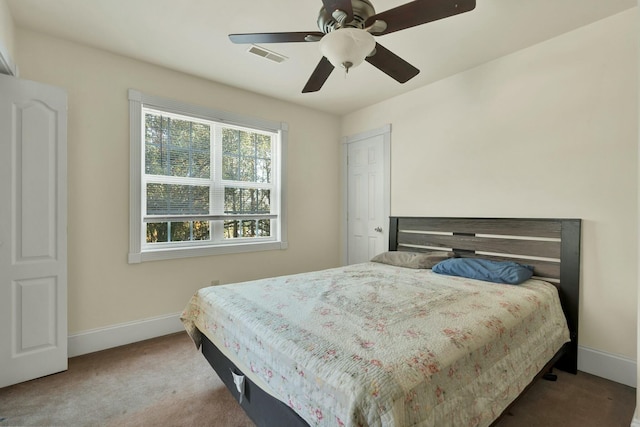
<point x="33" y="230"/>
<point x="367" y="215"/>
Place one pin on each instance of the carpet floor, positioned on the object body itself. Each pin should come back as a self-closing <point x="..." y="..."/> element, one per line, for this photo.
<point x="167" y="382"/>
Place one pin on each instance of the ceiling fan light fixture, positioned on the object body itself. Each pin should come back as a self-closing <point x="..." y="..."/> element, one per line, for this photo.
<point x="347" y="47"/>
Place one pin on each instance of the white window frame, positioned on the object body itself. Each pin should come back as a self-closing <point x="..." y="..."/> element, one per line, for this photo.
<point x="138" y="250"/>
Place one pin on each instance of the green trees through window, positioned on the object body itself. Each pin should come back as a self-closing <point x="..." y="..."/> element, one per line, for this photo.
<point x="196" y="168"/>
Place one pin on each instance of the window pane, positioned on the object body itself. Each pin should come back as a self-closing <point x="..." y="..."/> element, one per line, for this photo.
<point x="230" y="141"/>
<point x="247" y="201"/>
<point x="263" y="170"/>
<point x="247" y="228"/>
<point x="172" y="199"/>
<point x="177" y="231"/>
<point x="230" y="168"/>
<point x="175" y="147"/>
<point x="189" y="231"/>
<point x="201" y="230"/>
<point x="246" y="156"/>
<point x="157" y="232"/>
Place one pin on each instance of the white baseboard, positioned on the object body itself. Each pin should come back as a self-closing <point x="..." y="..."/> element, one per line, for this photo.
<point x="123" y="333"/>
<point x="610" y="366"/>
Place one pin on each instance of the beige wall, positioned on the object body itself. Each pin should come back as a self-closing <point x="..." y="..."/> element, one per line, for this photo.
<point x="636" y="416"/>
<point x="550" y="131"/>
<point x="105" y="290"/>
<point x="6" y="31"/>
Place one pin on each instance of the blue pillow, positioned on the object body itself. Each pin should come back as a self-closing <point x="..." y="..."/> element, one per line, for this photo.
<point x="508" y="272"/>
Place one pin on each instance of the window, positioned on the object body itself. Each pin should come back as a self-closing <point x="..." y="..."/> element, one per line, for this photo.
<point x="202" y="181"/>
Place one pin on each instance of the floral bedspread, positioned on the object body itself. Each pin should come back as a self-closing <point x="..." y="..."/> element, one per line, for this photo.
<point x="376" y="345"/>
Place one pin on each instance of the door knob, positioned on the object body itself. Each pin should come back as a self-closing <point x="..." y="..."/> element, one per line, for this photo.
<point x="378" y="229"/>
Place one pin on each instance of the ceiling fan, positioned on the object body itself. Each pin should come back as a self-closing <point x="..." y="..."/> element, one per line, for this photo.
<point x="346" y="35"/>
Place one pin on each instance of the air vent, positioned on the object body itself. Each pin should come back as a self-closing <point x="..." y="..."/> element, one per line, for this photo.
<point x="266" y="53"/>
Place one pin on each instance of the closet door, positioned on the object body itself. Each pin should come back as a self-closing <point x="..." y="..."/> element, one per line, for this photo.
<point x="33" y="230"/>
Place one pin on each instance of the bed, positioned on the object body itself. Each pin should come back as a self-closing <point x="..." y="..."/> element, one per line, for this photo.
<point x="350" y="346"/>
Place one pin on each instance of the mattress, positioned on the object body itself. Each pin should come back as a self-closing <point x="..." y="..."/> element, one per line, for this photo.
<point x="377" y="345"/>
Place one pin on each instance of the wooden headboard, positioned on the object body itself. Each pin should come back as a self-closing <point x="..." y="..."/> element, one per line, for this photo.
<point x="551" y="246"/>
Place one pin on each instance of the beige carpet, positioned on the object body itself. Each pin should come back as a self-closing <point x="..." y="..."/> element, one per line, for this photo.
<point x="166" y="382"/>
<point x="160" y="382"/>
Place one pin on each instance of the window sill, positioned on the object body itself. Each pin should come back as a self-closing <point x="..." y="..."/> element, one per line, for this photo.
<point x="176" y="253"/>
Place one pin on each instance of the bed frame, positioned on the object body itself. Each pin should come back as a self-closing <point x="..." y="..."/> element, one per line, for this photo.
<point x="551" y="246"/>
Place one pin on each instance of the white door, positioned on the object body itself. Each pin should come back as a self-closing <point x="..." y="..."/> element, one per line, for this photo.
<point x="33" y="230"/>
<point x="367" y="195"/>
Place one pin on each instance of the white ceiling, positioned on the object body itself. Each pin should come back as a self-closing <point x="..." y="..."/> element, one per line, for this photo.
<point x="191" y="36"/>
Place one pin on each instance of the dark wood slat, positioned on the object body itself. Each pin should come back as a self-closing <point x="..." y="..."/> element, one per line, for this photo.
<point x="547" y="249"/>
<point x="533" y="227"/>
<point x="393" y="233"/>
<point x="570" y="289"/>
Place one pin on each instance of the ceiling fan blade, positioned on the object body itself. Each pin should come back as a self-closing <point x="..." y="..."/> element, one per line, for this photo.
<point x="392" y="65"/>
<point x="319" y="76"/>
<point x="419" y="12"/>
<point x="309" y="36"/>
<point x="344" y="5"/>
